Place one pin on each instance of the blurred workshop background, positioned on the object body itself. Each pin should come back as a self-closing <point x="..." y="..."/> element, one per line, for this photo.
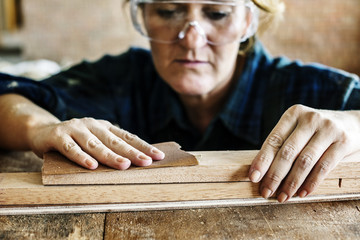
<point x="38" y="37"/>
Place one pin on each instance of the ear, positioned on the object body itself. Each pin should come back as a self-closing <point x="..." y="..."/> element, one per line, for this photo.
<point x="252" y="21"/>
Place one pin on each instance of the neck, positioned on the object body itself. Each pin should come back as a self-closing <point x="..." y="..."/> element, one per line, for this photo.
<point x="201" y="109"/>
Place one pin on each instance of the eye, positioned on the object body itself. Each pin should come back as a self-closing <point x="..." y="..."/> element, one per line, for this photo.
<point x="216" y="15"/>
<point x="165" y="13"/>
<point x="217" y="12"/>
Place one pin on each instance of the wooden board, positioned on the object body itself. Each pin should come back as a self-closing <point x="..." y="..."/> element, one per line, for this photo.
<point x="54" y="227"/>
<point x="214" y="166"/>
<point x="316" y="221"/>
<point x="24" y="193"/>
<point x="58" y="170"/>
<point x="27" y="189"/>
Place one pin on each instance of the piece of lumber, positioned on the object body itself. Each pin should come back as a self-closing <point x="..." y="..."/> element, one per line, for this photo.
<point x="332" y="220"/>
<point x="155" y="206"/>
<point x="61" y="226"/>
<point x="327" y="220"/>
<point x="56" y="165"/>
<point x="214" y="166"/>
<point x="27" y="189"/>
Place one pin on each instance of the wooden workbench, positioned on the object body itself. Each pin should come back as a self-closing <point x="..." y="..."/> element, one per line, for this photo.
<point x="327" y="220"/>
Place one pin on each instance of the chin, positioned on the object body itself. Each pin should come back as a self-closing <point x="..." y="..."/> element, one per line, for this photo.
<point x="191" y="86"/>
<point x="192" y="90"/>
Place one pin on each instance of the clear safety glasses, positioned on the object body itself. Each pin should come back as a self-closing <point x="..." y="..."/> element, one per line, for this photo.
<point x="218" y="22"/>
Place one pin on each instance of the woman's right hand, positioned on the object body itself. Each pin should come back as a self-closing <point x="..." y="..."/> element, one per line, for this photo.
<point x="88" y="141"/>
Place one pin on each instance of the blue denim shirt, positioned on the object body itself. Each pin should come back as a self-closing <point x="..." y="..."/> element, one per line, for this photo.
<point x="126" y="90"/>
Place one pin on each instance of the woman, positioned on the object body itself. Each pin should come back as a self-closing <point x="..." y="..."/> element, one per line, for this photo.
<point x="196" y="88"/>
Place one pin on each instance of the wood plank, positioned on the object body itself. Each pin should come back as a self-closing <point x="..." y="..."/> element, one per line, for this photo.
<point x="331" y="220"/>
<point x="10" y="15"/>
<point x="17" y="161"/>
<point x="26" y="189"/>
<point x="57" y="170"/>
<point x="214" y="166"/>
<point x="75" y="226"/>
<point x="55" y="163"/>
<point x="154" y="206"/>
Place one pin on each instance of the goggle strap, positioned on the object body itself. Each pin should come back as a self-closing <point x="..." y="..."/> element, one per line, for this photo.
<point x="230" y="3"/>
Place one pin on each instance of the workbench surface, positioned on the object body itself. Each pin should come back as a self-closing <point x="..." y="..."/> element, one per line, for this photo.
<point x="327" y="220"/>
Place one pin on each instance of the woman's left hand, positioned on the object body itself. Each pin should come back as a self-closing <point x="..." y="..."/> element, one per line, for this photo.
<point x="305" y="145"/>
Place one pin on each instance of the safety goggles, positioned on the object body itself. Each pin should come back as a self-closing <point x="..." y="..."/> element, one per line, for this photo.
<point x="218" y="22"/>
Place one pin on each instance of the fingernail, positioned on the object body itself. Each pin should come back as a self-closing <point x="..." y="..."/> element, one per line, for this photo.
<point x="282" y="197"/>
<point x="303" y="193"/>
<point x="158" y="152"/>
<point x="255" y="176"/>
<point x="266" y="193"/>
<point x="90" y="164"/>
<point x="123" y="163"/>
<point x="144" y="157"/>
<point x="122" y="160"/>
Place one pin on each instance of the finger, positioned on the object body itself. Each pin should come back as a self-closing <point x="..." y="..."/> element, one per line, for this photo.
<point x="322" y="168"/>
<point x="138" y="143"/>
<point x="120" y="147"/>
<point x="284" y="159"/>
<point x="94" y="147"/>
<point x="304" y="163"/>
<point x="70" y="149"/>
<point x="271" y="146"/>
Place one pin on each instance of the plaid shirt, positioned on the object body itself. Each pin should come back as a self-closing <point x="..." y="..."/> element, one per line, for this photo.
<point x="126" y="90"/>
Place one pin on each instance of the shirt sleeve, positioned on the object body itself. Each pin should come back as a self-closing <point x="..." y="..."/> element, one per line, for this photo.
<point x="41" y="94"/>
<point x="84" y="91"/>
<point x="80" y="91"/>
<point x="352" y="96"/>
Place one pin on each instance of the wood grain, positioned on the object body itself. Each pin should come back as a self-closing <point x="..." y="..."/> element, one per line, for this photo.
<point x="61" y="226"/>
<point x="26" y="189"/>
<point x="19" y="162"/>
<point x="326" y="220"/>
<point x="23" y="193"/>
<point x="214" y="166"/>
<point x="331" y="220"/>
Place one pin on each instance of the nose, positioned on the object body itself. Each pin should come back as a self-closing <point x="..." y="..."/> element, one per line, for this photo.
<point x="192" y="35"/>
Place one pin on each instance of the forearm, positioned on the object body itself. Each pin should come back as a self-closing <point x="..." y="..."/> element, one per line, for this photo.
<point x="18" y="117"/>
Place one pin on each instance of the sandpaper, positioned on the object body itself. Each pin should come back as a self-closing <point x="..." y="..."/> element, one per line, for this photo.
<point x="55" y="163"/>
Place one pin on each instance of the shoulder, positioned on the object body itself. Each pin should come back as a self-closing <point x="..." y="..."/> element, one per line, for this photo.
<point x="282" y="69"/>
<point x="109" y="69"/>
<point x="136" y="54"/>
<point x="312" y="84"/>
<point x="290" y="82"/>
<point x="310" y="73"/>
<point x="133" y="59"/>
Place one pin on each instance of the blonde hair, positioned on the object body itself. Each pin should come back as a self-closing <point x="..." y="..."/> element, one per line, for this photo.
<point x="270" y="14"/>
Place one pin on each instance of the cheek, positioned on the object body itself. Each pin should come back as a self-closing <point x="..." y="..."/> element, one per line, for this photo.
<point x="161" y="58"/>
<point x="225" y="60"/>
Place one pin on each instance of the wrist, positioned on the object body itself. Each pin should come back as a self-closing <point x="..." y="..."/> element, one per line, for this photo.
<point x="36" y="129"/>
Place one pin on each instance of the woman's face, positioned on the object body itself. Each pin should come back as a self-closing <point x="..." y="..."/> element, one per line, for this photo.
<point x="193" y="66"/>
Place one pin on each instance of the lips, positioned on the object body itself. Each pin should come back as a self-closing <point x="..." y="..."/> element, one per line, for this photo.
<point x="188" y="61"/>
